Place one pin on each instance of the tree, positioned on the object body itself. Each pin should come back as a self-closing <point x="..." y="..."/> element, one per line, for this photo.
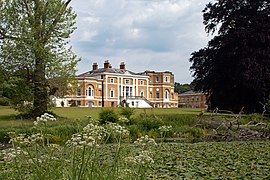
<point x="181" y="88"/>
<point x="234" y="69"/>
<point x="34" y="46"/>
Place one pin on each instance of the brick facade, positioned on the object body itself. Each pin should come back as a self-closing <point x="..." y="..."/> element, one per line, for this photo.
<point x="108" y="87"/>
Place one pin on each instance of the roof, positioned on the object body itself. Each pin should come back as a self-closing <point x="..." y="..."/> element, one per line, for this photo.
<point x="106" y="70"/>
<point x="191" y="93"/>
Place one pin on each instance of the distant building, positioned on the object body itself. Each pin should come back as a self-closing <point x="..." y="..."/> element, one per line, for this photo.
<point x="112" y="87"/>
<point x="192" y="99"/>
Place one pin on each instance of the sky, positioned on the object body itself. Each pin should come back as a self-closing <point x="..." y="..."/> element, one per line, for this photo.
<point x="157" y="35"/>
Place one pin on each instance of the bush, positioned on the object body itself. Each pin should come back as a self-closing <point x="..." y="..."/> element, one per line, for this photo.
<point x="150" y="123"/>
<point x="4" y="101"/>
<point x="108" y="115"/>
<point x="127" y="112"/>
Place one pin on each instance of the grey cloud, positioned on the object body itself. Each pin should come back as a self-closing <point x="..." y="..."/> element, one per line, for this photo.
<point x="141" y="32"/>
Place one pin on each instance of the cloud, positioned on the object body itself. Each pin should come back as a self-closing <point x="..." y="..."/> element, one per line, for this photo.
<point x="146" y="34"/>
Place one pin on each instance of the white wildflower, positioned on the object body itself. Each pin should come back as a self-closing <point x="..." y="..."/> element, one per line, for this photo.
<point x="123" y="120"/>
<point x="142" y="159"/>
<point x="118" y="130"/>
<point x="44" y="119"/>
<point x="145" y="141"/>
<point x="165" y="128"/>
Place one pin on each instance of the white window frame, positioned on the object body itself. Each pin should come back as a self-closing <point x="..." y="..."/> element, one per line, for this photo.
<point x="167" y="79"/>
<point x="90" y="91"/>
<point x="167" y="95"/>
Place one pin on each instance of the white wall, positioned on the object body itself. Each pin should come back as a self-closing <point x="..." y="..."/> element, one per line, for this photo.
<point x="138" y="103"/>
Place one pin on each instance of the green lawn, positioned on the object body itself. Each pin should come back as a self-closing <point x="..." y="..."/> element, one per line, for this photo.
<point x="83" y="112"/>
<point x="8" y="115"/>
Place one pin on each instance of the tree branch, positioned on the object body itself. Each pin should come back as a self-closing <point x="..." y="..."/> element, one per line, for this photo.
<point x="56" y="19"/>
<point x="66" y="4"/>
<point x="28" y="8"/>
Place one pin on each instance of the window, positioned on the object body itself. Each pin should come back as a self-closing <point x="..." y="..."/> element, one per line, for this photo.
<point x="142" y="94"/>
<point x="127" y="91"/>
<point x="167" y="79"/>
<point x="111" y="80"/>
<point x="157" y="95"/>
<point x="127" y="81"/>
<point x="78" y="91"/>
<point x="99" y="103"/>
<point x="157" y="79"/>
<point x="167" y="94"/>
<point x="132" y="103"/>
<point x="78" y="103"/>
<point x="141" y="82"/>
<point x="90" y="91"/>
<point x="112" y="93"/>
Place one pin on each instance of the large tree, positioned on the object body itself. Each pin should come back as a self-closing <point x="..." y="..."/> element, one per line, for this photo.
<point x="234" y="69"/>
<point x="34" y="47"/>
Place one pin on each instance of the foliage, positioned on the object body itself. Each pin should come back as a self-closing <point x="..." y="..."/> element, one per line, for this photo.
<point x="230" y="68"/>
<point x="181" y="127"/>
<point x="33" y="49"/>
<point x="108" y="115"/>
<point x="4" y="101"/>
<point x="268" y="107"/>
<point x="181" y="88"/>
<point x="234" y="160"/>
<point x="127" y="112"/>
<point x="33" y="157"/>
<point x="30" y="158"/>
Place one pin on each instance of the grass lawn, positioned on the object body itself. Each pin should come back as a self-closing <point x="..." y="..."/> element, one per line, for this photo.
<point x="83" y="112"/>
<point x="8" y="118"/>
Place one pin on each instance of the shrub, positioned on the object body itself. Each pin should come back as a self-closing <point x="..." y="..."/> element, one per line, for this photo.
<point x="127" y="112"/>
<point x="108" y="115"/>
<point x="4" y="101"/>
<point x="135" y="131"/>
<point x="150" y="123"/>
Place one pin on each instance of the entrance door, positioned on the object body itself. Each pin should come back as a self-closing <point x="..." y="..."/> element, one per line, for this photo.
<point x="90" y="104"/>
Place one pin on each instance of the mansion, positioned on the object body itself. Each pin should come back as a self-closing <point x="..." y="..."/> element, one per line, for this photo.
<point x="113" y="87"/>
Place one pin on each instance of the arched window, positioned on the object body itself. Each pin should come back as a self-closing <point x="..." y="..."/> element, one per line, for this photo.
<point x="142" y="93"/>
<point x="167" y="94"/>
<point x="90" y="91"/>
<point x="112" y="93"/>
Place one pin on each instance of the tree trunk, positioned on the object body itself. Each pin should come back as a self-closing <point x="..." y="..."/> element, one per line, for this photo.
<point x="40" y="89"/>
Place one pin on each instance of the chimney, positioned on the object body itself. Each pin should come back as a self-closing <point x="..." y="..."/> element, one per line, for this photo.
<point x="95" y="66"/>
<point x="122" y="65"/>
<point x="107" y="64"/>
